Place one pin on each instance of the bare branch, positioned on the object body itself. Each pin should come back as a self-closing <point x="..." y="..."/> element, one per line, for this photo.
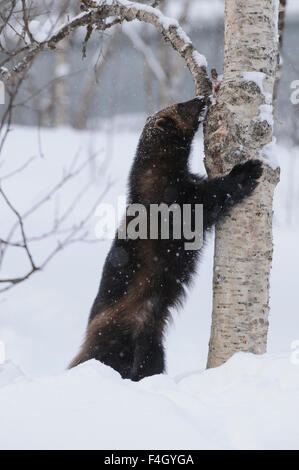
<point x="18" y="170"/>
<point x="74" y="234"/>
<point x="26" y="24"/>
<point x="99" y="14"/>
<point x="21" y="224"/>
<point x="87" y="37"/>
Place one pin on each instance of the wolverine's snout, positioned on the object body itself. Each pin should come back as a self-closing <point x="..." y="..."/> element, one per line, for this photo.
<point x="192" y="108"/>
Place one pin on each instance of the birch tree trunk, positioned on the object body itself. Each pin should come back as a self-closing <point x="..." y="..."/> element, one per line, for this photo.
<point x="239" y="127"/>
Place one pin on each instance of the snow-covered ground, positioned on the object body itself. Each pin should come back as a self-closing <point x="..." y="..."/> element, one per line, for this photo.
<point x="250" y="402"/>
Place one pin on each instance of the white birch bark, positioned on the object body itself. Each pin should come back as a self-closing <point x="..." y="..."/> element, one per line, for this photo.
<point x="238" y="127"/>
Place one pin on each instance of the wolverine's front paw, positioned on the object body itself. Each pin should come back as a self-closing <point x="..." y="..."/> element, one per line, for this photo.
<point x="247" y="174"/>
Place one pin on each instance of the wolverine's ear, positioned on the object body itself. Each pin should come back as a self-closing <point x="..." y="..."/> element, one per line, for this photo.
<point x="165" y="123"/>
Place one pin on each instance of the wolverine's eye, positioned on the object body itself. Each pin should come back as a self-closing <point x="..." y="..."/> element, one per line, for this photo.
<point x="165" y="123"/>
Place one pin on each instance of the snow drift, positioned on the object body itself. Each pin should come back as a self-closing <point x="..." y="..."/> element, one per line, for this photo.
<point x="251" y="402"/>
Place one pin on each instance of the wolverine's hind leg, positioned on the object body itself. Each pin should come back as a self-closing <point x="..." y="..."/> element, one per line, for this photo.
<point x="148" y="355"/>
<point x="108" y="342"/>
<point x="129" y="343"/>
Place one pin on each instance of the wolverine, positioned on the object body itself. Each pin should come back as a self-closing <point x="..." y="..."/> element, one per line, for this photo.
<point x="143" y="279"/>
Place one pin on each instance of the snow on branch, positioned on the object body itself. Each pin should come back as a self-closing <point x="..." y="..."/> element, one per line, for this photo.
<point x="102" y="15"/>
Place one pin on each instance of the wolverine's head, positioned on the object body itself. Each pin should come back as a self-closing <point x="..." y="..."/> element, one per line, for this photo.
<point x="173" y="127"/>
